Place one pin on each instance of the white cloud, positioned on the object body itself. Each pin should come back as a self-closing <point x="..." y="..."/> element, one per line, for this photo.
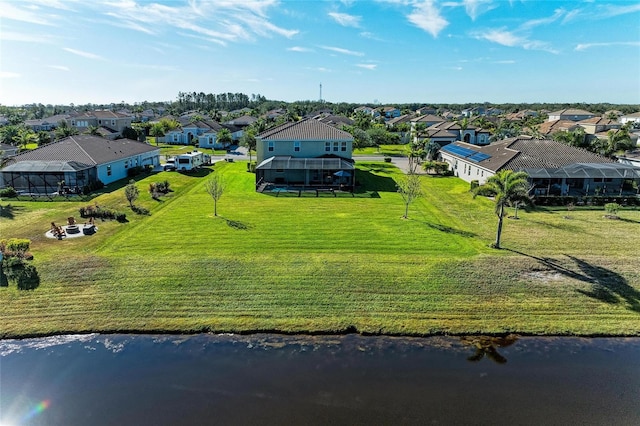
<point x="345" y="19"/>
<point x="585" y="46"/>
<point x="510" y="39"/>
<point x="87" y="55"/>
<point x="29" y="38"/>
<point x="9" y="11"/>
<point x="558" y="13"/>
<point x="221" y="21"/>
<point x="58" y="67"/>
<point x="299" y="49"/>
<point x="610" y="10"/>
<point x="426" y="16"/>
<point x="367" y="66"/>
<point x="475" y="8"/>
<point x="341" y="50"/>
<point x="8" y="74"/>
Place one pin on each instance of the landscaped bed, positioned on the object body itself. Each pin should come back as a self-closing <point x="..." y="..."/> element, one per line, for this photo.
<point x="324" y="264"/>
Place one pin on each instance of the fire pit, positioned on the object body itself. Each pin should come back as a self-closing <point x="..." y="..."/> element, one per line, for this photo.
<point x="72" y="229"/>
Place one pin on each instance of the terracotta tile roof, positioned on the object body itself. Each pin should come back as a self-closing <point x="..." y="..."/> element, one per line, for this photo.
<point x="601" y="121"/>
<point x="307" y="129"/>
<point x="86" y="149"/>
<point x="549" y="127"/>
<point x="571" y="111"/>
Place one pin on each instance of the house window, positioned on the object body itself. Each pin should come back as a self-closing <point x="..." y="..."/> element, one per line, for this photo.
<point x="327" y="146"/>
<point x="99" y="121"/>
<point x="175" y="137"/>
<point x="108" y="170"/>
<point x="279" y="170"/>
<point x="335" y="146"/>
<point x="271" y="146"/>
<point x="113" y="122"/>
<point x="126" y="164"/>
<point x="296" y="146"/>
<point x="343" y="147"/>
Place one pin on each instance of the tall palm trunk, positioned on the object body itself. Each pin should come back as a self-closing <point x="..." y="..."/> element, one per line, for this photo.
<point x="499" y="232"/>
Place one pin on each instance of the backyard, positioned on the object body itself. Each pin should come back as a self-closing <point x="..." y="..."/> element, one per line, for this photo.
<point x="323" y="264"/>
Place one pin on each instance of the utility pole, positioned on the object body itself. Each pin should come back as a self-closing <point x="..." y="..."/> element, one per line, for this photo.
<point x="320" y="92"/>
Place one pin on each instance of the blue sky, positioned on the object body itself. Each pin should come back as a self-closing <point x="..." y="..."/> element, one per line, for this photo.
<point x="389" y="51"/>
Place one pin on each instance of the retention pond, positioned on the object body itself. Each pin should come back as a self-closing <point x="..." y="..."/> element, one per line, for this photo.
<point x="270" y="379"/>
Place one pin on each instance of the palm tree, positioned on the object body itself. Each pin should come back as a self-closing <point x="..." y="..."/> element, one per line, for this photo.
<point x="224" y="137"/>
<point x="25" y="137"/>
<point x="93" y="130"/>
<point x="64" y="130"/>
<point x="508" y="188"/>
<point x="157" y="131"/>
<point x="248" y="140"/>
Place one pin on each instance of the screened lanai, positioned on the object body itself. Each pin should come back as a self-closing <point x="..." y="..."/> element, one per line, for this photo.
<point x="330" y="172"/>
<point x="47" y="177"/>
<point x="585" y="179"/>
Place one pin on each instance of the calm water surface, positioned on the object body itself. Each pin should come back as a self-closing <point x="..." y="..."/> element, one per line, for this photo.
<point x="269" y="379"/>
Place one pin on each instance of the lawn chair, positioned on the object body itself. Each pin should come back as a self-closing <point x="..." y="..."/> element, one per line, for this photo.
<point x="71" y="220"/>
<point x="57" y="231"/>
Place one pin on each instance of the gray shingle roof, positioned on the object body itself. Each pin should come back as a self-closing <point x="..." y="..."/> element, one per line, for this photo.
<point x="86" y="149"/>
<point x="305" y="130"/>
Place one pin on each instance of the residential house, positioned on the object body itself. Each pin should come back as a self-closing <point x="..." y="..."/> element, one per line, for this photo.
<point x="78" y="161"/>
<point x="634" y="118"/>
<point x="631" y="158"/>
<point x="553" y="167"/>
<point x="427" y="119"/>
<point x="470" y="134"/>
<point x="426" y="110"/>
<point x="367" y="110"/>
<point x="335" y="120"/>
<point x="242" y="121"/>
<point x="389" y="112"/>
<point x="45" y="124"/>
<point x="570" y="114"/>
<point x="405" y="118"/>
<point x="550" y="127"/>
<point x="305" y="153"/>
<point x="202" y="133"/>
<point x="597" y="125"/>
<point x="7" y="150"/>
<point x="113" y="122"/>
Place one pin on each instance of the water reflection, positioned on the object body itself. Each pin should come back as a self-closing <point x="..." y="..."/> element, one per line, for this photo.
<point x="487" y="346"/>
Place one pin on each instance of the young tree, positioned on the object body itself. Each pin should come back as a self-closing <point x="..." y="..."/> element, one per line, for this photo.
<point x="410" y="190"/>
<point x="131" y="192"/>
<point x="508" y="188"/>
<point x="215" y="187"/>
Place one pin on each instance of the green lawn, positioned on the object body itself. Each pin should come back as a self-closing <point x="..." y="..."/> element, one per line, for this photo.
<point x="391" y="150"/>
<point x="307" y="264"/>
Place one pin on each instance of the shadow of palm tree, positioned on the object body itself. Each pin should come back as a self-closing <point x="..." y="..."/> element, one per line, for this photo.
<point x="23" y="274"/>
<point x="236" y="224"/>
<point x="9" y="211"/>
<point x="486" y="346"/>
<point x="607" y="286"/>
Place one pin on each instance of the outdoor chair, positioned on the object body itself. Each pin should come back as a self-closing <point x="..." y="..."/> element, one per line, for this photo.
<point x="71" y="220"/>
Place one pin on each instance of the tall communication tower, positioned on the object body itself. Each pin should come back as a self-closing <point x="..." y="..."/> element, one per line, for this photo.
<point x="320" y="92"/>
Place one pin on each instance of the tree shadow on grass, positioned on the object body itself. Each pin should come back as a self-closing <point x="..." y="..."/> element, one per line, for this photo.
<point x="9" y="211"/>
<point x="236" y="224"/>
<point x="449" y="230"/>
<point x="23" y="274"/>
<point x="607" y="286"/>
<point x="367" y="181"/>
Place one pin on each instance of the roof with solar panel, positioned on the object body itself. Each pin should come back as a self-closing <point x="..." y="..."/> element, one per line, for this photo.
<point x="523" y="152"/>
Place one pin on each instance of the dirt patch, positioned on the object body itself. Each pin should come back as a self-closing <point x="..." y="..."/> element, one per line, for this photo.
<point x="546" y="277"/>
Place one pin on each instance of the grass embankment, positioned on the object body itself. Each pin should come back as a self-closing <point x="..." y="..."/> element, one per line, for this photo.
<point x="324" y="264"/>
<point x="390" y="150"/>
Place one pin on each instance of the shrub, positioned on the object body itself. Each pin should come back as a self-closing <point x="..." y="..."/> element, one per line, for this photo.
<point x="15" y="247"/>
<point x="103" y="213"/>
<point x="8" y="192"/>
<point x="135" y="171"/>
<point x="612" y="208"/>
<point x="93" y="186"/>
<point x="387" y="159"/>
<point x="140" y="210"/>
<point x="474" y="184"/>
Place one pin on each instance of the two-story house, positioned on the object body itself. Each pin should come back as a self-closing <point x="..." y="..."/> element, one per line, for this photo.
<point x="112" y="123"/>
<point x="570" y="114"/>
<point x="306" y="153"/>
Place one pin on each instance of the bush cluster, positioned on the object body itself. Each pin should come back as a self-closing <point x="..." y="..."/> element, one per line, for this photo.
<point x="156" y="189"/>
<point x="93" y="186"/>
<point x="98" y="212"/>
<point x="557" y="200"/>
<point x="15" y="247"/>
<point x="8" y="192"/>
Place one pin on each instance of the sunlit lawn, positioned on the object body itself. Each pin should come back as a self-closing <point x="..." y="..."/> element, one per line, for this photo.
<point x="391" y="150"/>
<point x="324" y="264"/>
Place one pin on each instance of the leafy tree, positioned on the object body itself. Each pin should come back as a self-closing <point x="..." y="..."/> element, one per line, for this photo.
<point x="248" y="140"/>
<point x="93" y="130"/>
<point x="215" y="187"/>
<point x="224" y="137"/>
<point x="410" y="190"/>
<point x="508" y="188"/>
<point x="129" y="133"/>
<point x="8" y="133"/>
<point x="362" y="120"/>
<point x="131" y="192"/>
<point x="43" y="137"/>
<point x="432" y="148"/>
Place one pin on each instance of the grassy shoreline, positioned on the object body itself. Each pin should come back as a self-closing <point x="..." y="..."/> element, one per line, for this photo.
<point x="324" y="265"/>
